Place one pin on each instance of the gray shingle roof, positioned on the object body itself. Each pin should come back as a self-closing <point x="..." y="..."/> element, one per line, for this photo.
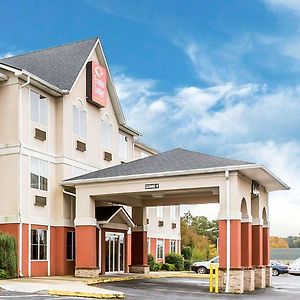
<point x="173" y="160"/>
<point x="58" y="65"/>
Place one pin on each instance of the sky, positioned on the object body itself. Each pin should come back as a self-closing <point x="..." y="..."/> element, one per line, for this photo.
<point x="219" y="77"/>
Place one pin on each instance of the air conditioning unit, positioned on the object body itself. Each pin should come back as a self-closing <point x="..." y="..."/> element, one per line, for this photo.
<point x="107" y="156"/>
<point x="40" y="134"/>
<point x="160" y="223"/>
<point x="40" y="201"/>
<point x="80" y="146"/>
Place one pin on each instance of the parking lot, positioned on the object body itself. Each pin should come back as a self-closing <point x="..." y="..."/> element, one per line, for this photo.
<point x="284" y="287"/>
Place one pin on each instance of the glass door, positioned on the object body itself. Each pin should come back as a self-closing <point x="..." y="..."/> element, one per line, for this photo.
<point x="114" y="252"/>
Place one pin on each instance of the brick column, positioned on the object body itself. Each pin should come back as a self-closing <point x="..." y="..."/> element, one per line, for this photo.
<point x="266" y="255"/>
<point x="257" y="254"/>
<point x="246" y="253"/>
<point x="85" y="236"/>
<point x="139" y="251"/>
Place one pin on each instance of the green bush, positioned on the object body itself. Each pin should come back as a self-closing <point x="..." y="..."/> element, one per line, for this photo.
<point x="151" y="262"/>
<point x="167" y="267"/>
<point x="176" y="260"/>
<point x="187" y="252"/>
<point x="8" y="256"/>
<point x="187" y="265"/>
<point x="157" y="267"/>
<point x="3" y="274"/>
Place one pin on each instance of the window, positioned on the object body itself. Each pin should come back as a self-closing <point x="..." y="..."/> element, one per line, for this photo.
<point x="160" y="211"/>
<point x="38" y="244"/>
<point x="70" y="245"/>
<point x="39" y="174"/>
<point x="173" y="212"/>
<point x="106" y="134"/>
<point x="79" y="121"/>
<point x="173" y="246"/>
<point x="149" y="245"/>
<point x="160" y="249"/>
<point x="38" y="108"/>
<point x="123" y="147"/>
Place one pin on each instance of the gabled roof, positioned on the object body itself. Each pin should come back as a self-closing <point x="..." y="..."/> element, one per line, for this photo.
<point x="58" y="66"/>
<point x="173" y="160"/>
<point x="105" y="214"/>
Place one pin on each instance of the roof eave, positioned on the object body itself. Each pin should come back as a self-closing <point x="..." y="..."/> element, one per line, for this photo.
<point x="280" y="185"/>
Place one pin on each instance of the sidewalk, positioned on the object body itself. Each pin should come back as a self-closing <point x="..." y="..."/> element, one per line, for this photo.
<point x="59" y="286"/>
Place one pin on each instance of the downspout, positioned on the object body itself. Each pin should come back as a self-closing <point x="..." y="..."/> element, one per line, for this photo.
<point x="20" y="179"/>
<point x="227" y="232"/>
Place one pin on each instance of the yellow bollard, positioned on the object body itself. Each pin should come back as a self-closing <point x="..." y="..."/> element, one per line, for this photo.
<point x="211" y="278"/>
<point x="212" y="268"/>
<point x="217" y="279"/>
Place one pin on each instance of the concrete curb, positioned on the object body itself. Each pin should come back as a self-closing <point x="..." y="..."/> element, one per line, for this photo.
<point x="158" y="276"/>
<point x="86" y="294"/>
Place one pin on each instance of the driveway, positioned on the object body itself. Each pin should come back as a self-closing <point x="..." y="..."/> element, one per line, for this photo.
<point x="284" y="287"/>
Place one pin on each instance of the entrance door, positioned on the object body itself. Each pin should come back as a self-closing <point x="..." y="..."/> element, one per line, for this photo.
<point x="114" y="252"/>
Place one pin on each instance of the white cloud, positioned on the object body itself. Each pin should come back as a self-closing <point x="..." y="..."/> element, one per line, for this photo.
<point x="291" y="5"/>
<point x="249" y="122"/>
<point x="7" y="54"/>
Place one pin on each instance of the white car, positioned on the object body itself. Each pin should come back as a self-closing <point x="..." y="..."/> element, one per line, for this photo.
<point x="202" y="267"/>
<point x="294" y="268"/>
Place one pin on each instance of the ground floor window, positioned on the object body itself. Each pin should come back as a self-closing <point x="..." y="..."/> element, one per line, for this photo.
<point x="160" y="249"/>
<point x="71" y="245"/>
<point x="38" y="244"/>
<point x="173" y="246"/>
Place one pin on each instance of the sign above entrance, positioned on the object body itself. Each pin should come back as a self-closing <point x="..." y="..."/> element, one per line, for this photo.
<point x="96" y="91"/>
<point x="151" y="186"/>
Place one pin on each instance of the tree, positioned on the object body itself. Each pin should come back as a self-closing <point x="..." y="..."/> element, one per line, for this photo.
<point x="277" y="242"/>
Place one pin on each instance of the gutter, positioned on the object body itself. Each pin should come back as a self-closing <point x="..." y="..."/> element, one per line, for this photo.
<point x="74" y="182"/>
<point x="20" y="250"/>
<point x="228" y="237"/>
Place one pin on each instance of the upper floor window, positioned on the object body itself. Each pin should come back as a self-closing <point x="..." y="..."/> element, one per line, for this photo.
<point x="39" y="174"/>
<point x="38" y="108"/>
<point x="160" y="211"/>
<point x="79" y="121"/>
<point x="123" y="147"/>
<point x="106" y="134"/>
<point x="173" y="212"/>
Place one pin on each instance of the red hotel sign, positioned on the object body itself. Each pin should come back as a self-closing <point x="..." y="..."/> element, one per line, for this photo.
<point x="96" y="91"/>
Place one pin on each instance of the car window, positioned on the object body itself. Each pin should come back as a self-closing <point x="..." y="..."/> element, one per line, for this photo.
<point x="215" y="260"/>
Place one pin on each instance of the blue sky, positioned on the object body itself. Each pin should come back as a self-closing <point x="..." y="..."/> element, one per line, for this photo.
<point x="221" y="77"/>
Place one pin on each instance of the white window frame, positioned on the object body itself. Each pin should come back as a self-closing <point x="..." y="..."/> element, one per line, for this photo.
<point x="38" y="108"/>
<point x="149" y="245"/>
<point x="160" y="245"/>
<point x="79" y="121"/>
<point x="39" y="168"/>
<point x="160" y="212"/>
<point x="39" y="244"/>
<point x="174" y="242"/>
<point x="123" y="147"/>
<point x="106" y="134"/>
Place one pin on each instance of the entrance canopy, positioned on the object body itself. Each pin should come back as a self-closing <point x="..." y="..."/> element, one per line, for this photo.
<point x="171" y="178"/>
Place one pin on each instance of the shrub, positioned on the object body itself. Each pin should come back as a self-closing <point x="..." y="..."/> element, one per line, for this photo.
<point x="187" y="252"/>
<point x="187" y="265"/>
<point x="176" y="260"/>
<point x="167" y="267"/>
<point x="157" y="267"/>
<point x="8" y="256"/>
<point x="3" y="274"/>
<point x="151" y="262"/>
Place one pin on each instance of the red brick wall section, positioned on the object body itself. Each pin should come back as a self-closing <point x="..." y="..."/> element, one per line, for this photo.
<point x="266" y="247"/>
<point x="129" y="249"/>
<point x="246" y="244"/>
<point x="139" y="248"/>
<point x="153" y="247"/>
<point x="167" y="247"/>
<point x="86" y="247"/>
<point x="257" y="245"/>
<point x="235" y="243"/>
